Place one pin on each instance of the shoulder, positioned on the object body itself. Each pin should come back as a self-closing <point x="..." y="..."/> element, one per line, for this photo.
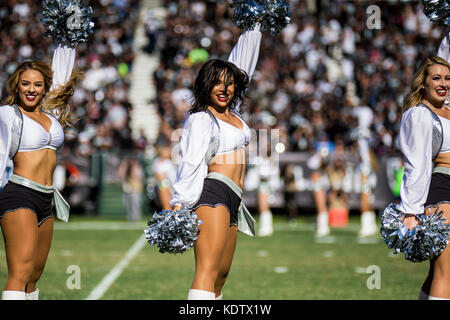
<point x="198" y="119"/>
<point x="418" y="114"/>
<point x="7" y="109"/>
<point x="8" y="112"/>
<point x="197" y="116"/>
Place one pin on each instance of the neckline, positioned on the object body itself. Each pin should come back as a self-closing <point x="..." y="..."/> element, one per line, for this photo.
<point x="427" y="106"/>
<point x="442" y="117"/>
<point x="240" y="129"/>
<point x="51" y="122"/>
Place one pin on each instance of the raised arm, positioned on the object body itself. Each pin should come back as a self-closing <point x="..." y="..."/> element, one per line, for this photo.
<point x="62" y="64"/>
<point x="444" y="48"/>
<point x="246" y="52"/>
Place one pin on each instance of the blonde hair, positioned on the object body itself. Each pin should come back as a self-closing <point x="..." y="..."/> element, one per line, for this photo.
<point x="415" y="93"/>
<point x="54" y="100"/>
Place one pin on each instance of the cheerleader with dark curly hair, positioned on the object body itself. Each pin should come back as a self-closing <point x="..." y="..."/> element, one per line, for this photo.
<point x="210" y="177"/>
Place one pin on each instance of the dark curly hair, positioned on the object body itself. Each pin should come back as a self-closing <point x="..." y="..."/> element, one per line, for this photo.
<point x="208" y="76"/>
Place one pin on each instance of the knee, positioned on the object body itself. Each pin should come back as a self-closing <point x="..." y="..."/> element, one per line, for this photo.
<point x="36" y="275"/>
<point x="221" y="278"/>
<point x="441" y="271"/>
<point x="209" y="270"/>
<point x="21" y="274"/>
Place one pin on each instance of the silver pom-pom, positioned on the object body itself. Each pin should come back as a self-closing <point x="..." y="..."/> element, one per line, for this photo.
<point x="273" y="15"/>
<point x="438" y="11"/>
<point x="67" y="21"/>
<point x="425" y="241"/>
<point x="173" y="231"/>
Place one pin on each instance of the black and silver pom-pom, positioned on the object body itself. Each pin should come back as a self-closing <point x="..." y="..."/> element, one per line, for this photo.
<point x="67" y="21"/>
<point x="173" y="231"/>
<point x="273" y="15"/>
<point x="425" y="241"/>
<point x="438" y="11"/>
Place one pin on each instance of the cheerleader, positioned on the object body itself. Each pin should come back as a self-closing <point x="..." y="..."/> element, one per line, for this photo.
<point x="210" y="176"/>
<point x="426" y="181"/>
<point x="31" y="132"/>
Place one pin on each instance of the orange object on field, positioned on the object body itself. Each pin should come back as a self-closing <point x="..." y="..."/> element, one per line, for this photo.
<point x="338" y="217"/>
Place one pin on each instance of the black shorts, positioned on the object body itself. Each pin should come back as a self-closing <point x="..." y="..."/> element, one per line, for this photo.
<point x="216" y="193"/>
<point x="439" y="190"/>
<point x="15" y="196"/>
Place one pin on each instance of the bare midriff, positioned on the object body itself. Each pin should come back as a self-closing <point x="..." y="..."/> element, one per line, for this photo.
<point x="442" y="160"/>
<point x="37" y="166"/>
<point x="230" y="164"/>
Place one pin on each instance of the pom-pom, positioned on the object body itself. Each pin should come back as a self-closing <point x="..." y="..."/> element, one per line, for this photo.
<point x="273" y="15"/>
<point x="173" y="231"/>
<point x="438" y="11"/>
<point x="67" y="21"/>
<point x="425" y="241"/>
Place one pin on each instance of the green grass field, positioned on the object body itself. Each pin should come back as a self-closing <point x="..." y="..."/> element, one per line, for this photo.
<point x="290" y="265"/>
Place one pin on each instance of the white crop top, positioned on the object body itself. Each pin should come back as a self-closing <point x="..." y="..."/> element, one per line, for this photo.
<point x="232" y="138"/>
<point x="446" y="129"/>
<point x="35" y="137"/>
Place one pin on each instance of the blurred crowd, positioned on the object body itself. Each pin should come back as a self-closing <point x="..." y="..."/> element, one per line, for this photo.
<point x="312" y="77"/>
<point x="334" y="77"/>
<point x="329" y="77"/>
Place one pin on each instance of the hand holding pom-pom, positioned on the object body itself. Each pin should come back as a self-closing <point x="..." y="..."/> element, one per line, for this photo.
<point x="438" y="11"/>
<point x="173" y="231"/>
<point x="423" y="242"/>
<point x="273" y="15"/>
<point x="67" y="21"/>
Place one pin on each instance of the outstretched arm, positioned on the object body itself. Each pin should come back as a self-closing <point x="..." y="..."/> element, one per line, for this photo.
<point x="246" y="52"/>
<point x="444" y="48"/>
<point x="62" y="64"/>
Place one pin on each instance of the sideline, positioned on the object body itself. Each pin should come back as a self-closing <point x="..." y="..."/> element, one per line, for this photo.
<point x="141" y="225"/>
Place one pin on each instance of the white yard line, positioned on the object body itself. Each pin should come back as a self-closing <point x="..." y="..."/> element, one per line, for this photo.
<point x="115" y="272"/>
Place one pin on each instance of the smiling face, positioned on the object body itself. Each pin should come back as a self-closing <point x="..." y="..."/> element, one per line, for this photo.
<point x="223" y="91"/>
<point x="437" y="84"/>
<point x="31" y="89"/>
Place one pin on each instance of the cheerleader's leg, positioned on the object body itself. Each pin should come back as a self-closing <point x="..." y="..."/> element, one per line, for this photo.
<point x="440" y="285"/>
<point x="265" y="214"/>
<point x="210" y="247"/>
<point x="45" y="234"/>
<point x="320" y="200"/>
<point x="426" y="286"/>
<point x="227" y="259"/>
<point x="369" y="225"/>
<point x="20" y="234"/>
